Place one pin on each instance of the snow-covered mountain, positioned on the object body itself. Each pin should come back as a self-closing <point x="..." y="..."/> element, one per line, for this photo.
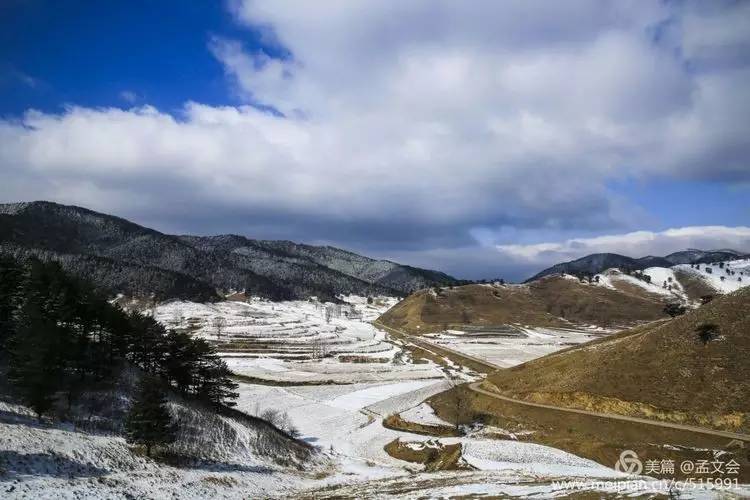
<point x="683" y="282"/>
<point x="600" y="262"/>
<point x="123" y="257"/>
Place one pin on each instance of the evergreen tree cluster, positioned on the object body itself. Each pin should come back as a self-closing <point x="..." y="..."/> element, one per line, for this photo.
<point x="62" y="338"/>
<point x="149" y="422"/>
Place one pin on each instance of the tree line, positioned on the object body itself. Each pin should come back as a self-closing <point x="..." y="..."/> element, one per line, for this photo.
<point x="59" y="338"/>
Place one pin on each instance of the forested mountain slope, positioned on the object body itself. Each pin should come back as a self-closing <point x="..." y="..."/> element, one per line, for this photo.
<point x="123" y="257"/>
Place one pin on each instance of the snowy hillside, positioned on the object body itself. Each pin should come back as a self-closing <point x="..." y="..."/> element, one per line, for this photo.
<point x="600" y="262"/>
<point x="682" y="282"/>
<point x="724" y="277"/>
<point x="54" y="460"/>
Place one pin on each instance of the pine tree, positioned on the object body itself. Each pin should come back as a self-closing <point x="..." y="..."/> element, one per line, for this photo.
<point x="10" y="282"/>
<point x="38" y="345"/>
<point x="707" y="332"/>
<point x="149" y="422"/>
<point x="216" y="387"/>
<point x="181" y="357"/>
<point x="35" y="369"/>
<point x="675" y="309"/>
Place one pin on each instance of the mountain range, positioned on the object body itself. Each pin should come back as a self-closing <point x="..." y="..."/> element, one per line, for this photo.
<point x="599" y="262"/>
<point x="122" y="257"/>
<point x="613" y="298"/>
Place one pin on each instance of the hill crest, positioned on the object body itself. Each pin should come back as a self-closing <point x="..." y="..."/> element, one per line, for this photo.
<point x="600" y="262"/>
<point x="124" y="257"/>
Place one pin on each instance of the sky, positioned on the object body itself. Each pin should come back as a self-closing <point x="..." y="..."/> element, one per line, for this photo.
<point x="484" y="138"/>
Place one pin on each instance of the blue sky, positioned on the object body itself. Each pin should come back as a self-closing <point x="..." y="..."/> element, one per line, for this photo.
<point x="88" y="53"/>
<point x="671" y="203"/>
<point x="447" y="135"/>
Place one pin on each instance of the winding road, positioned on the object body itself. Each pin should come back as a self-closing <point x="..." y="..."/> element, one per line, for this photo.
<point x="476" y="387"/>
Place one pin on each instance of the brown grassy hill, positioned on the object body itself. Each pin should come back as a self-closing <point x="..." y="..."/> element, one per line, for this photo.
<point x="694" y="288"/>
<point x="662" y="370"/>
<point x="552" y="301"/>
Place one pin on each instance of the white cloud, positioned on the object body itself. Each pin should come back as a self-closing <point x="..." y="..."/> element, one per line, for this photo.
<point x="413" y="123"/>
<point x="635" y="244"/>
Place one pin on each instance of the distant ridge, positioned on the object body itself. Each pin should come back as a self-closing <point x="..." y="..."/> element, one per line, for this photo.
<point x="123" y="257"/>
<point x="599" y="262"/>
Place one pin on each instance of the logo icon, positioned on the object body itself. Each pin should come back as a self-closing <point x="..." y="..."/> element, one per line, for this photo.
<point x="629" y="463"/>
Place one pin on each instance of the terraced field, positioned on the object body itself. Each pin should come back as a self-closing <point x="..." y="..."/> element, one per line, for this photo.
<point x="299" y="342"/>
<point x="508" y="345"/>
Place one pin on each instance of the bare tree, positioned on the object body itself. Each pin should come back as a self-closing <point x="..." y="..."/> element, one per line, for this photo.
<point x="354" y="313"/>
<point x="178" y="318"/>
<point x="280" y="420"/>
<point x="332" y="311"/>
<point x="319" y="348"/>
<point x="315" y="348"/>
<point x="329" y="314"/>
<point x="461" y="405"/>
<point x="219" y="324"/>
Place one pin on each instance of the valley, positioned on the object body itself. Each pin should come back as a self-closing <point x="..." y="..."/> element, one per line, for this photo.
<point x="296" y="358"/>
<point x="339" y="387"/>
<point x="342" y="406"/>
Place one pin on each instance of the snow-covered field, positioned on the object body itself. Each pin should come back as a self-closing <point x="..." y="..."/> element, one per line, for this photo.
<point x="300" y="341"/>
<point x="506" y="351"/>
<point x="509" y="484"/>
<point x="345" y="419"/>
<point x="335" y="377"/>
<point x="304" y="353"/>
<point x="423" y="414"/>
<point x="337" y="404"/>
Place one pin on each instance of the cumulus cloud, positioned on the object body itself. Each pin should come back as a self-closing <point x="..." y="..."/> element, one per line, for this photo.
<point x="415" y="126"/>
<point x="634" y="244"/>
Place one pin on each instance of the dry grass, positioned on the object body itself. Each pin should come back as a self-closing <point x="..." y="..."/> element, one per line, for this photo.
<point x="661" y="371"/>
<point x="595" y="438"/>
<point x="396" y="423"/>
<point x="694" y="287"/>
<point x="550" y="302"/>
<point x="434" y="455"/>
<point x="354" y="358"/>
<point x="225" y="481"/>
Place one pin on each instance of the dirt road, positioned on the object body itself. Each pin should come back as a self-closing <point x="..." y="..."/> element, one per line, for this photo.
<point x="452" y="354"/>
<point x="476" y="387"/>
